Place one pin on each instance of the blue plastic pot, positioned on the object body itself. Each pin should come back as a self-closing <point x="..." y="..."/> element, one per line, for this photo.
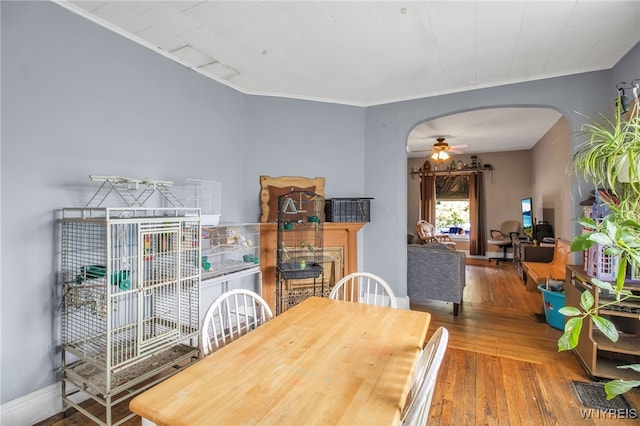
<point x="553" y="301"/>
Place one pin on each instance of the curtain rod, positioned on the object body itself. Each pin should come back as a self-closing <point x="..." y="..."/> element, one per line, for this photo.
<point x="449" y="172"/>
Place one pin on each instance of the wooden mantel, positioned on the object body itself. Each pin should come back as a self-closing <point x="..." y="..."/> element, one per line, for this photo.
<point x="336" y="234"/>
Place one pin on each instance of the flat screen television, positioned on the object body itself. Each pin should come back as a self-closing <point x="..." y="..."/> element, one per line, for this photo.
<point x="527" y="219"/>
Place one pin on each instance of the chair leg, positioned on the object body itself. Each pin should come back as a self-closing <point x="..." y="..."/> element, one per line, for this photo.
<point x="456" y="309"/>
<point x="504" y="257"/>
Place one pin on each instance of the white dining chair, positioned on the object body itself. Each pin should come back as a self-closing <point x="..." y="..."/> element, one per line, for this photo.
<point x="416" y="409"/>
<point x="231" y="315"/>
<point x="364" y="287"/>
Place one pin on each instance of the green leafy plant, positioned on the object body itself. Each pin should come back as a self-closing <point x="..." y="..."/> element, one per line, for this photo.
<point x="609" y="158"/>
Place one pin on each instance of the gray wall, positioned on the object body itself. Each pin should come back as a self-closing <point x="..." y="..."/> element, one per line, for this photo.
<point x="627" y="69"/>
<point x="290" y="137"/>
<point x="549" y="186"/>
<point x="78" y="99"/>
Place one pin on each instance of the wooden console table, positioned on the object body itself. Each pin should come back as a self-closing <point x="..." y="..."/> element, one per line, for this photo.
<point x="336" y="234"/>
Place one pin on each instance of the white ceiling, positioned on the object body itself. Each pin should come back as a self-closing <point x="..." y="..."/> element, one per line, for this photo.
<point x="373" y="52"/>
<point x="484" y="130"/>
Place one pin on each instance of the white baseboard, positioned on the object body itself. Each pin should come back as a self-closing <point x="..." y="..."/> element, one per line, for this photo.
<point x="476" y="257"/>
<point x="487" y="255"/>
<point x="403" y="302"/>
<point x="498" y="254"/>
<point x="34" y="407"/>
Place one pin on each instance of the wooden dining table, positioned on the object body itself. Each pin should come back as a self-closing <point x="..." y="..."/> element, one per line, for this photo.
<point x="323" y="362"/>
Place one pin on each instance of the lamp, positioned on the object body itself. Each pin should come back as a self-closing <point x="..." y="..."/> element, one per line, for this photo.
<point x="440" y="156"/>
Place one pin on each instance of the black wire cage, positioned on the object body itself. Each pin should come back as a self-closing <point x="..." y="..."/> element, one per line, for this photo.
<point x="300" y="245"/>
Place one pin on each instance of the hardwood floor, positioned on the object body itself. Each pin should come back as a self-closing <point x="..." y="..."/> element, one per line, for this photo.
<point x="501" y="366"/>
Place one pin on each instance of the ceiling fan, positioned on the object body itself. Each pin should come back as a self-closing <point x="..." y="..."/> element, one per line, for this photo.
<point x="442" y="150"/>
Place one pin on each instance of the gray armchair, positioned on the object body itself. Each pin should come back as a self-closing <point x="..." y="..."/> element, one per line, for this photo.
<point x="435" y="273"/>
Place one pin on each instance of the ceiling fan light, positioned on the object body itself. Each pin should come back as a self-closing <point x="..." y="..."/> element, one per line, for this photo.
<point x="440" y="156"/>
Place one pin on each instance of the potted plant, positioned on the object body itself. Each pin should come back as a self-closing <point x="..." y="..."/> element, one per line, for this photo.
<point x="612" y="150"/>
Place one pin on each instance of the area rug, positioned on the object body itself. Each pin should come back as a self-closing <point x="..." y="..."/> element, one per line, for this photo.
<point x="593" y="395"/>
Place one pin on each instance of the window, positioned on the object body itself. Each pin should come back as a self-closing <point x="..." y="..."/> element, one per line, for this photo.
<point x="452" y="214"/>
<point x="452" y="203"/>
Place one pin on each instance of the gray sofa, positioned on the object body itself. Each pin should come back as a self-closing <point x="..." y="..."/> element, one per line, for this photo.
<point x="435" y="273"/>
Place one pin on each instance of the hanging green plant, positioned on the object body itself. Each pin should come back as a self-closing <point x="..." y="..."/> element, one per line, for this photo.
<point x="609" y="158"/>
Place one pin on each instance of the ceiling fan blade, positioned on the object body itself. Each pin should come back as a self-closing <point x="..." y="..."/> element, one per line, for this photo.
<point x="414" y="150"/>
<point x="460" y="146"/>
<point x="440" y="145"/>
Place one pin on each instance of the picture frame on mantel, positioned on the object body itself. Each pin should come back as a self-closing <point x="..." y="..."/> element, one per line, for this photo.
<point x="273" y="187"/>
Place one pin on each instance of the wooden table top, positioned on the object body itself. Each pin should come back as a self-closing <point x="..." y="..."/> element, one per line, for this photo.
<point x="321" y="362"/>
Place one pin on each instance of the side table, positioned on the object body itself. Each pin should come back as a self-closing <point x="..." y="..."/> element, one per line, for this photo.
<point x="526" y="251"/>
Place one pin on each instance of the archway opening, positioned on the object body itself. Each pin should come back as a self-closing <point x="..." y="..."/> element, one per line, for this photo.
<point x="525" y="149"/>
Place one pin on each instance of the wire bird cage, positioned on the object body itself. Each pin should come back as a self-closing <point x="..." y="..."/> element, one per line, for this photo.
<point x="300" y="253"/>
<point x="130" y="302"/>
